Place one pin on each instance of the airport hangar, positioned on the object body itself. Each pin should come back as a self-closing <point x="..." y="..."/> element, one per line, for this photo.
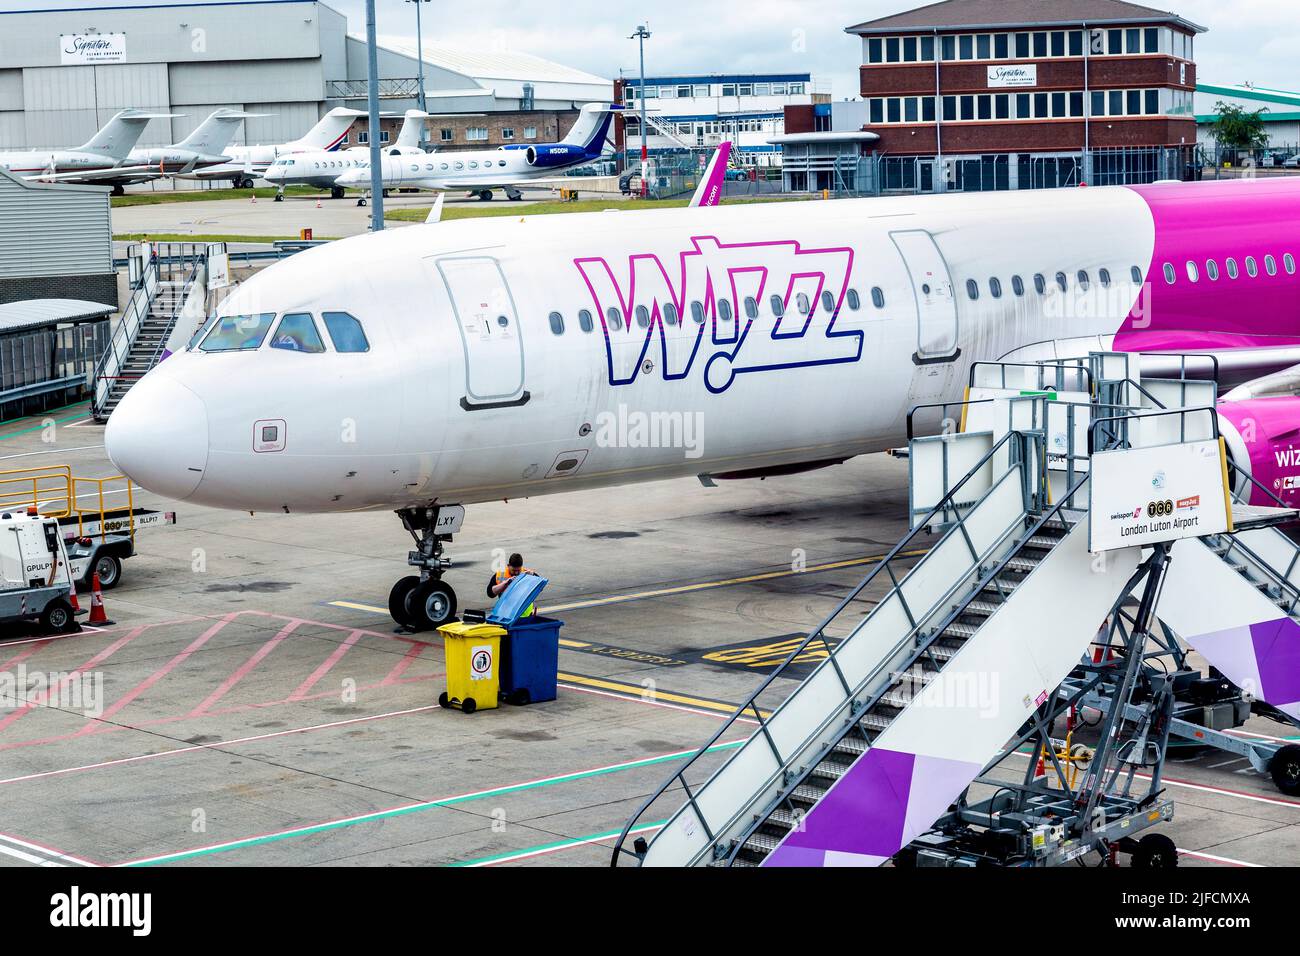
<point x="296" y="63"/>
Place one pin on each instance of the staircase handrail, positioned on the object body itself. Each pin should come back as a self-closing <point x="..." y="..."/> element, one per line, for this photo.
<point x="885" y="564"/>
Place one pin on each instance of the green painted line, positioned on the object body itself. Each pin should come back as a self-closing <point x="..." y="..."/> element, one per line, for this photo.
<point x="558" y="845"/>
<point x="418" y="807"/>
<point x="36" y="428"/>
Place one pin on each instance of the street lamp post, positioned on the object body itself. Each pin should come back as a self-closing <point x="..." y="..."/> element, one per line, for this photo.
<point x="641" y="35"/>
<point x="372" y="103"/>
<point x="419" y="52"/>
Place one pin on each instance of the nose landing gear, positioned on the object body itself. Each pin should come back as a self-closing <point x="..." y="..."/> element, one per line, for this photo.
<point x="424" y="602"/>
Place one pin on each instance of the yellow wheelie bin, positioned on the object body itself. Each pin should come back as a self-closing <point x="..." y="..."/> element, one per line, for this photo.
<point x="473" y="654"/>
<point x="473" y="649"/>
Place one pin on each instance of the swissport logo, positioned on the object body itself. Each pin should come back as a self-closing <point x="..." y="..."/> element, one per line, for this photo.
<point x="724" y="310"/>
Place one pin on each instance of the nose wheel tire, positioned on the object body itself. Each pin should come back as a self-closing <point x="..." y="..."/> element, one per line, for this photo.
<point x="398" y="597"/>
<point x="431" y="605"/>
<point x="1285" y="770"/>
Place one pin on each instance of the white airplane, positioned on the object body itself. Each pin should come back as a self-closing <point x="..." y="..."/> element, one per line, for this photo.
<point x="323" y="168"/>
<point x="108" y="149"/>
<point x="248" y="163"/>
<point x="202" y="149"/>
<point x="508" y="167"/>
<point x="423" y="369"/>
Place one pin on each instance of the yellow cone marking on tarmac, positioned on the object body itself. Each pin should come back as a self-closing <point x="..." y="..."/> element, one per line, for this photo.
<point x="680" y="589"/>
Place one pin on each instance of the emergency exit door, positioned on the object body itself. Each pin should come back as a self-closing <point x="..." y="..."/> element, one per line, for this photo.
<point x="936" y="301"/>
<point x="489" y="331"/>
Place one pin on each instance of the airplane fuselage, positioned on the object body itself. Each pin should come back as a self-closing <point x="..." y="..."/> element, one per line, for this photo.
<point x="542" y="354"/>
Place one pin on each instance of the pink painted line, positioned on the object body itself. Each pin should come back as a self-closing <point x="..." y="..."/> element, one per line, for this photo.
<point x="48" y="850"/>
<point x="241" y="708"/>
<point x="215" y="745"/>
<point x="23" y="655"/>
<point x="244" y="669"/>
<point x="404" y="638"/>
<point x="99" y="658"/>
<point x="325" y="667"/>
<point x="157" y="675"/>
<point x="407" y="660"/>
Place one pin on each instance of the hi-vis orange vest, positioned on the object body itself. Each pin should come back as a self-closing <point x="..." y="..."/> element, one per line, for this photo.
<point x="506" y="575"/>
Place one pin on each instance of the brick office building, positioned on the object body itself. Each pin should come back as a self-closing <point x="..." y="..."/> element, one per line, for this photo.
<point x="1004" y="94"/>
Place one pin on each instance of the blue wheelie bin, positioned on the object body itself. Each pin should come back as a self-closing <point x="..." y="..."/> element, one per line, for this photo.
<point x="530" y="651"/>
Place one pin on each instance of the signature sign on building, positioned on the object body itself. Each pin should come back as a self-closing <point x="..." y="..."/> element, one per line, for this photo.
<point x="79" y="48"/>
<point x="1009" y="76"/>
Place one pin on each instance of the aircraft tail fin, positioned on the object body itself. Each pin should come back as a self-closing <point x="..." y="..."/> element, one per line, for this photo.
<point x="592" y="128"/>
<point x="214" y="134"/>
<point x="709" y="191"/>
<point x="328" y="133"/>
<point x="412" y="131"/>
<point x="120" y="134"/>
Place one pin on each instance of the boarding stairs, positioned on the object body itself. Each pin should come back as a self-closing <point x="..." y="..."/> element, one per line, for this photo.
<point x="883" y="731"/>
<point x="886" y="734"/>
<point x="165" y="277"/>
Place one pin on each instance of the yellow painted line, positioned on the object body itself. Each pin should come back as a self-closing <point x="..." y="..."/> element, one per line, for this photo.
<point x="642" y="693"/>
<point x="680" y="589"/>
<point x="565" y="642"/>
<point x="727" y="582"/>
<point x="352" y="605"/>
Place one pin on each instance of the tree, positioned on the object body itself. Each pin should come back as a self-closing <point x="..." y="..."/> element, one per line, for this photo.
<point x="1237" y="129"/>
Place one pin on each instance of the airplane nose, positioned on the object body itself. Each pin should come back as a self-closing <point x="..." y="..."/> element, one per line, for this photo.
<point x="158" y="436"/>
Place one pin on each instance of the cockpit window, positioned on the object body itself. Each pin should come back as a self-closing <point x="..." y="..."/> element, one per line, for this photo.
<point x="345" y="332"/>
<point x="234" y="333"/>
<point x="200" y="332"/>
<point x="297" y="333"/>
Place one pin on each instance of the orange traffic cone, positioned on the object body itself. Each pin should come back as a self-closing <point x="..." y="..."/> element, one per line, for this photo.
<point x="72" y="599"/>
<point x="254" y="196"/>
<point x="317" y="202"/>
<point x="97" y="613"/>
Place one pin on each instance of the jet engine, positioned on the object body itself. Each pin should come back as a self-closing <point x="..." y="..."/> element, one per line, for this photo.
<point x="1262" y="437"/>
<point x="546" y="157"/>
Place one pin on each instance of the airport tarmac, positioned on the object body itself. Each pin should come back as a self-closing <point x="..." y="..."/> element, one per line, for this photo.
<point x="335" y="219"/>
<point x="257" y="707"/>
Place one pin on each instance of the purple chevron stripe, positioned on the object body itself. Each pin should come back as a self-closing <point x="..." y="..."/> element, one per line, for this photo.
<point x="1262" y="658"/>
<point x="884" y="801"/>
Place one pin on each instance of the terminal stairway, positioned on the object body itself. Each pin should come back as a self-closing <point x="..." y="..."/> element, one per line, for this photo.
<point x="167" y="279"/>
<point x="901" y="715"/>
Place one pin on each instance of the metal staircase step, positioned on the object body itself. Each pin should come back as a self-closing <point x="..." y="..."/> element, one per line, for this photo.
<point x="808" y="792"/>
<point x="960" y="630"/>
<point x="1021" y="565"/>
<point x="831" y="769"/>
<point x="854" y="746"/>
<point x="946" y="650"/>
<point x="1043" y="542"/>
<point x="982" y="608"/>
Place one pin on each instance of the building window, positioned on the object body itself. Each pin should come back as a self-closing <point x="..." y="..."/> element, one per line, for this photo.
<point x="1001" y="46"/>
<point x="1152" y="40"/>
<point x="445" y="135"/>
<point x="910" y="49"/>
<point x="948" y="45"/>
<point x="983" y="47"/>
<point x="1022" y="46"/>
<point x="893" y="50"/>
<point x="1040" y="44"/>
<point x="507" y="133"/>
<point x="476" y="134"/>
<point x="530" y="132"/>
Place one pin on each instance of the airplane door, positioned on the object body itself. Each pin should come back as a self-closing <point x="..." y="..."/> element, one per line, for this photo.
<point x="936" y="301"/>
<point x="489" y="332"/>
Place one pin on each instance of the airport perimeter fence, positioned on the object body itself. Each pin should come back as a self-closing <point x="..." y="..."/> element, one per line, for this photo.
<point x="879" y="175"/>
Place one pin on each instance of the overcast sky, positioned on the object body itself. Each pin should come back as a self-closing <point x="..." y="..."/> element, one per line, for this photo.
<point x="1256" y="40"/>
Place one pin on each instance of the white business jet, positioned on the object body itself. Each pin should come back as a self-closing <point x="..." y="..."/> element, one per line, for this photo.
<point x="108" y="149"/>
<point x="508" y="167"/>
<point x="323" y="168"/>
<point x="248" y="163"/>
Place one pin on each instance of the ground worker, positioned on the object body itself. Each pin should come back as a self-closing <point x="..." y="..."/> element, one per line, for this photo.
<point x="500" y="580"/>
